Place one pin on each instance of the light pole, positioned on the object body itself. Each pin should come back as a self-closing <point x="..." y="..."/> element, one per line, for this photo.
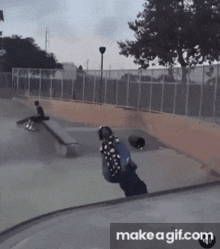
<point x="102" y="51"/>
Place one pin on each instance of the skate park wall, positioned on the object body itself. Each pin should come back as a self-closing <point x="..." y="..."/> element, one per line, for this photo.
<point x="196" y="139"/>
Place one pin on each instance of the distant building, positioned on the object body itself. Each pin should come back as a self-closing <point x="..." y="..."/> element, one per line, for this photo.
<point x="69" y="66"/>
<point x="69" y="71"/>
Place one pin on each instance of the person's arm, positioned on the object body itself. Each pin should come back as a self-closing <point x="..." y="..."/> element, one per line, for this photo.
<point x="101" y="149"/>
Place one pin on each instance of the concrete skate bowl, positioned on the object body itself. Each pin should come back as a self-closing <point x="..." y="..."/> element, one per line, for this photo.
<point x="180" y="156"/>
<point x="7" y="93"/>
<point x="163" y="164"/>
<point x="67" y="228"/>
<point x="192" y="137"/>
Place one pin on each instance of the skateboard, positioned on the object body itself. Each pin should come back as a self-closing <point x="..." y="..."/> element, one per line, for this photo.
<point x="25" y="120"/>
<point x="22" y="121"/>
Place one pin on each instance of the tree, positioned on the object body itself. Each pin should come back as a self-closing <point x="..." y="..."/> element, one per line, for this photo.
<point x="175" y="31"/>
<point x="80" y="68"/>
<point x="25" y="53"/>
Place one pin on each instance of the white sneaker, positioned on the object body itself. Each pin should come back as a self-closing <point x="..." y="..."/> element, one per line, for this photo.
<point x="30" y="128"/>
<point x="27" y="126"/>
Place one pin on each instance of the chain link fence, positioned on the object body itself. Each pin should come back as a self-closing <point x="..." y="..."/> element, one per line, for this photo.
<point x="7" y="90"/>
<point x="193" y="91"/>
<point x="189" y="91"/>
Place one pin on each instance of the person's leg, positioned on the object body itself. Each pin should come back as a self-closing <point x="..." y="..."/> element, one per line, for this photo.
<point x="132" y="184"/>
<point x="31" y="125"/>
<point x="37" y="119"/>
<point x="132" y="164"/>
<point x="28" y="124"/>
<point x="125" y="185"/>
<point x="32" y="120"/>
<point x="139" y="188"/>
<point x="125" y="188"/>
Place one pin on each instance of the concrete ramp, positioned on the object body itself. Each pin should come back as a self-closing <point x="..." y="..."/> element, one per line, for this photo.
<point x="65" y="144"/>
<point x="35" y="180"/>
<point x="89" y="226"/>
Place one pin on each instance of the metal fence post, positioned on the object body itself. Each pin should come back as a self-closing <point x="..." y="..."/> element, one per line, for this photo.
<point x="127" y="99"/>
<point x="18" y="80"/>
<point x="1" y="81"/>
<point x="106" y="83"/>
<point x="40" y="85"/>
<point x="174" y="100"/>
<point x="162" y="97"/>
<point x="187" y="97"/>
<point x="94" y="88"/>
<point x="201" y="94"/>
<point x="139" y="91"/>
<point x="83" y="90"/>
<point x="29" y="72"/>
<point x="116" y="93"/>
<point x="12" y="75"/>
<point x="72" y="90"/>
<point x="11" y="82"/>
<point x="215" y="93"/>
<point x="7" y="81"/>
<point x="62" y="85"/>
<point x="151" y="90"/>
<point x="51" y="84"/>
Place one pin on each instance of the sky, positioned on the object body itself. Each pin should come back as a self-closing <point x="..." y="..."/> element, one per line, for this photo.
<point x="77" y="28"/>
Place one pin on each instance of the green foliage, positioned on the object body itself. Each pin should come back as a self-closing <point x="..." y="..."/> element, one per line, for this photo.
<point x="25" y="53"/>
<point x="175" y="31"/>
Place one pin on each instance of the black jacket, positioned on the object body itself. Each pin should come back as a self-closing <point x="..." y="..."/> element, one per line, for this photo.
<point x="40" y="111"/>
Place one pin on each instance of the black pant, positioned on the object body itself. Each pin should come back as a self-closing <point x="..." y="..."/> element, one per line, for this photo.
<point x="37" y="119"/>
<point x="131" y="184"/>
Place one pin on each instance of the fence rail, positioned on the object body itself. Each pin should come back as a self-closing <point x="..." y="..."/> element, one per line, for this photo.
<point x="190" y="92"/>
<point x="6" y="87"/>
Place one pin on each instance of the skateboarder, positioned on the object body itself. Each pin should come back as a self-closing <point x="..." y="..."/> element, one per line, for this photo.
<point x="117" y="165"/>
<point x="37" y="118"/>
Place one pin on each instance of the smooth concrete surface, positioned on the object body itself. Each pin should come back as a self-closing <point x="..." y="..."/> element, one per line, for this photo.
<point x="35" y="180"/>
<point x="89" y="227"/>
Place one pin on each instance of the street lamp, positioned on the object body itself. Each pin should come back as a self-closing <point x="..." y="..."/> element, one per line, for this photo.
<point x="102" y="51"/>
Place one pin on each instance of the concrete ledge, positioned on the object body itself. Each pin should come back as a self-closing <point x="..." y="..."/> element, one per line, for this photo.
<point x="65" y="144"/>
<point x="189" y="136"/>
